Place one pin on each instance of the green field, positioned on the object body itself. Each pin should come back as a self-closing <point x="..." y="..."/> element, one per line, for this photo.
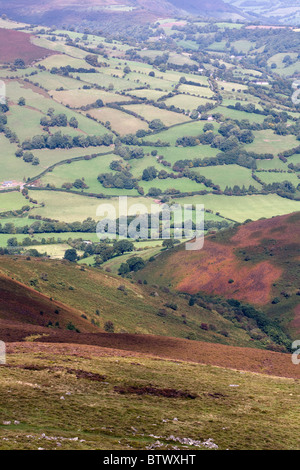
<point x="172" y="134"/>
<point x="49" y="157"/>
<point x="186" y="102"/>
<point x="168" y="118"/>
<point x="52" y="82"/>
<point x="105" y="81"/>
<point x="205" y="92"/>
<point x="229" y="175"/>
<point x="11" y="201"/>
<point x="13" y="168"/>
<point x="78" y="98"/>
<point x="182" y="184"/>
<point x="282" y="68"/>
<point x="269" y="178"/>
<point x="241" y="208"/>
<point x="30" y="119"/>
<point x="273" y="164"/>
<point x="268" y="142"/>
<point x="147" y="93"/>
<point x="70" y="207"/>
<point x="239" y="115"/>
<point x="121" y="122"/>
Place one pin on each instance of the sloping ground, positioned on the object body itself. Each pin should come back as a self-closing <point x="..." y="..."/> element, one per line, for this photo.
<point x="17" y="45"/>
<point x="242" y="263"/>
<point x="25" y="315"/>
<point x="132" y="306"/>
<point x="73" y="397"/>
<point x="104" y="12"/>
<point x="125" y="345"/>
<point x="219" y="266"/>
<point x="21" y="307"/>
<point x="257" y="262"/>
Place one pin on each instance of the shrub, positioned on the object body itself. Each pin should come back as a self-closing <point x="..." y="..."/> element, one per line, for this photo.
<point x="72" y="327"/>
<point x="224" y="333"/>
<point x="171" y="305"/>
<point x="109" y="327"/>
<point x="161" y="312"/>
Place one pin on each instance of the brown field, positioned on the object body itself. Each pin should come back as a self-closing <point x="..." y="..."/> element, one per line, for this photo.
<point x="219" y="263"/>
<point x="277" y="227"/>
<point x="15" y="45"/>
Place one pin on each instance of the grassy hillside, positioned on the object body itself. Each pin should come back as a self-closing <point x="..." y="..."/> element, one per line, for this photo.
<point x="90" y="298"/>
<point x="84" y="397"/>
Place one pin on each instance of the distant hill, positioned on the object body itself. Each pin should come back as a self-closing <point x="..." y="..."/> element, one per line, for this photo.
<point x="273" y="12"/>
<point x="207" y="8"/>
<point x="101" y="12"/>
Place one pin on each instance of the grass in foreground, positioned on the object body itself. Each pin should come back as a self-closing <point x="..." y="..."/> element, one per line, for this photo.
<point x="54" y="404"/>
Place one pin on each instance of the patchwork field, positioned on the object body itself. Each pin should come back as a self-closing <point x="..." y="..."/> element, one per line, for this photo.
<point x="233" y="173"/>
<point x="186" y="102"/>
<point x="119" y="343"/>
<point x="120" y="122"/>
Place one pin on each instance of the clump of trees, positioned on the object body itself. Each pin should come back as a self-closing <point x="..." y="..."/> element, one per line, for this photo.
<point x="132" y="264"/>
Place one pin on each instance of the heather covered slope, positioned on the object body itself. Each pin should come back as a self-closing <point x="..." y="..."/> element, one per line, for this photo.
<point x="22" y="309"/>
<point x="17" y="45"/>
<point x="93" y="301"/>
<point x="207" y="8"/>
<point x="257" y="262"/>
<point x="28" y="316"/>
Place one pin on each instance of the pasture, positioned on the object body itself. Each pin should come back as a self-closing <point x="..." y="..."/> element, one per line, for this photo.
<point x="186" y="102"/>
<point x="229" y="175"/>
<point x="267" y="141"/>
<point x="11" y="201"/>
<point x="241" y="208"/>
<point x="193" y="128"/>
<point x="81" y="97"/>
<point x="120" y="122"/>
<point x="70" y="207"/>
<point x="169" y="118"/>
